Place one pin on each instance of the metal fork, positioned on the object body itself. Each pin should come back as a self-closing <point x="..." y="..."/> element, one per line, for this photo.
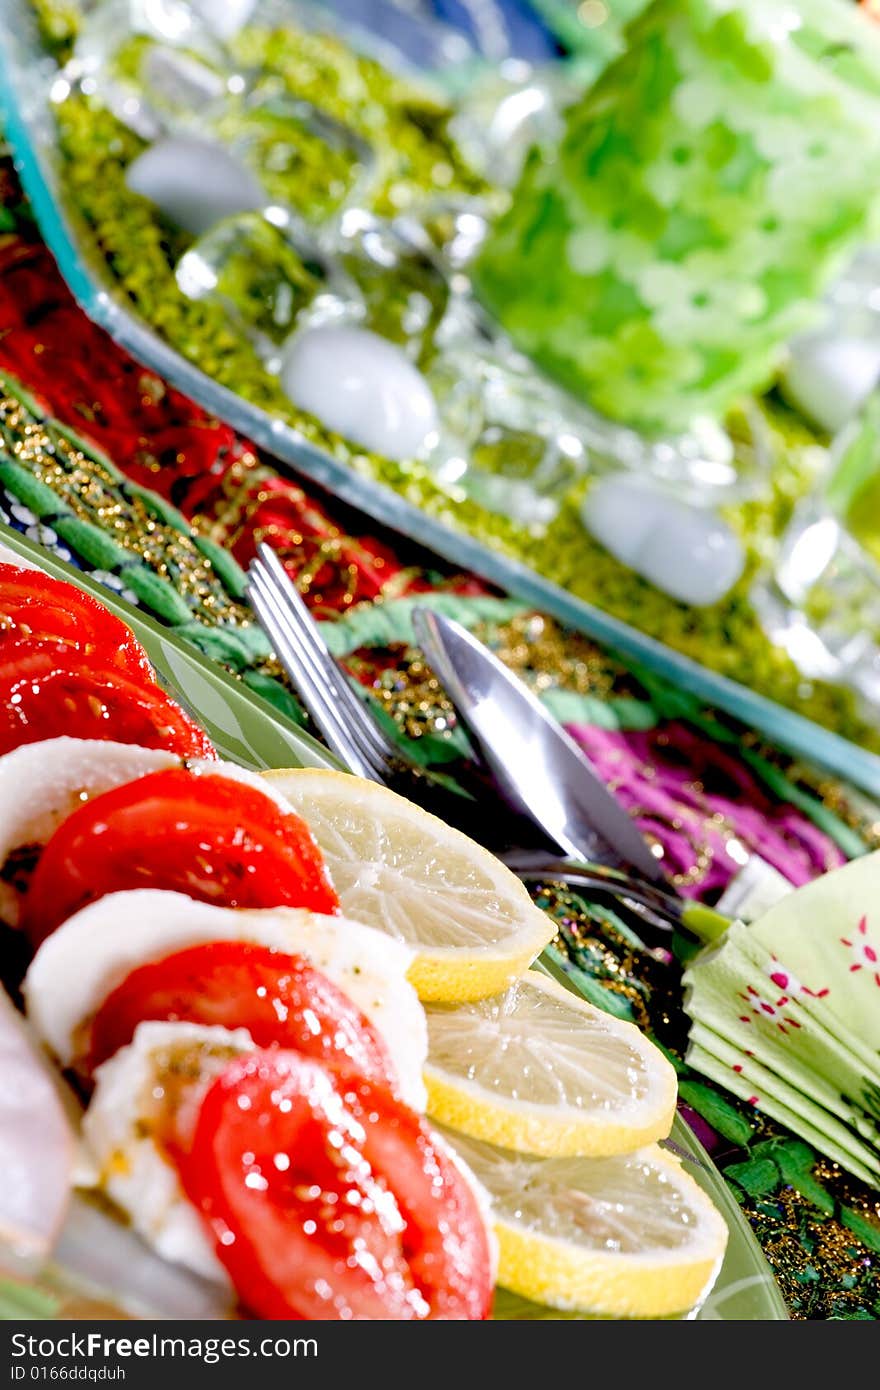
<point x="351" y="733"/>
<point x="361" y="745"/>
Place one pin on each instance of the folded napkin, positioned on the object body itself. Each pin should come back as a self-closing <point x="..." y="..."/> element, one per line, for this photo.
<point x="758" y="1086"/>
<point x="786" y="1013"/>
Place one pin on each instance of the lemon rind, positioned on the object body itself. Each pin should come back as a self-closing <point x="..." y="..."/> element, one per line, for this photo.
<point x="563" y="1276"/>
<point x="528" y="1130"/>
<point x="452" y="974"/>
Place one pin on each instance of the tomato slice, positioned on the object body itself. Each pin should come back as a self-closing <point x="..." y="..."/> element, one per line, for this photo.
<point x="48" y="689"/>
<point x="332" y="1200"/>
<point x="282" y="1000"/>
<point x="213" y="838"/>
<point x="35" y="605"/>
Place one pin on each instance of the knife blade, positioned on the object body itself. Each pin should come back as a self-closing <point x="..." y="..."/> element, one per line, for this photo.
<point x="540" y="770"/>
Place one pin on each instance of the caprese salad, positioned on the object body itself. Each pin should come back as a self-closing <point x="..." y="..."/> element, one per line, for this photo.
<point x="249" y="1061"/>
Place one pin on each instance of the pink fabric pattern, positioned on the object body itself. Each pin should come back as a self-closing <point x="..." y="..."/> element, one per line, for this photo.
<point x="702" y="803"/>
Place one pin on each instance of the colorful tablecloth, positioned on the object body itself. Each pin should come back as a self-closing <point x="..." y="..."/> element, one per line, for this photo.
<point x="111" y="468"/>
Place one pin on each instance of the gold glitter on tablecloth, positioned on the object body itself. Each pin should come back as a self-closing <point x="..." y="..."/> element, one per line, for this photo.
<point x="91" y="490"/>
<point x="790" y="1227"/>
<point x="536" y="648"/>
<point x="410" y="694"/>
<point x="547" y="655"/>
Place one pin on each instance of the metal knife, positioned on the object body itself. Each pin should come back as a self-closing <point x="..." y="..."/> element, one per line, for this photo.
<point x="540" y="771"/>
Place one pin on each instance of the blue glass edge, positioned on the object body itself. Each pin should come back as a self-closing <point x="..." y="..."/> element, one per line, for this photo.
<point x="786" y="728"/>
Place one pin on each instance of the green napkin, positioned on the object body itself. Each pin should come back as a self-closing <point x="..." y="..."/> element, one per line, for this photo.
<point x="847" y="1124"/>
<point x="786" y="1013"/>
<point x="740" y="994"/>
<point x="829" y="934"/>
<point x="788" y="1106"/>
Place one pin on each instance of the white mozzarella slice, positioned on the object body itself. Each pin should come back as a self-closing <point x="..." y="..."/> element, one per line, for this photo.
<point x="36" y="1143"/>
<point x="131" y="1168"/>
<point x="42" y="783"/>
<point x="95" y="950"/>
<point x="118" y="1132"/>
<point x="12" y="557"/>
<point x="211" y="767"/>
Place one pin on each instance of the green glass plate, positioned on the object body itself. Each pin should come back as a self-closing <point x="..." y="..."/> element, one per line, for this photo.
<point x="238" y="722"/>
<point x="26" y="74"/>
<point x="246" y="731"/>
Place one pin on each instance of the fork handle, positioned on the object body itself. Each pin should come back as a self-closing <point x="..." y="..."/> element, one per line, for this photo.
<point x="707" y="925"/>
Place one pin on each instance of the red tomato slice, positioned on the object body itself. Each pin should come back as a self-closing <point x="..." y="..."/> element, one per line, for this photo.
<point x="280" y="999"/>
<point x="48" y="689"/>
<point x="294" y="1170"/>
<point x="34" y="605"/>
<point x="211" y="837"/>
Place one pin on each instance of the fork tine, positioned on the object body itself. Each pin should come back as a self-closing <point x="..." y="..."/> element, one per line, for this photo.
<point x="309" y="683"/>
<point x="306" y="656"/>
<point x="301" y="618"/>
<point x="363" y="727"/>
<point x="274" y="618"/>
<point x="307" y="679"/>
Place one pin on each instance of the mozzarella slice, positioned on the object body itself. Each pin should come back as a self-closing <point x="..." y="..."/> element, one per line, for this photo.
<point x="12" y="557"/>
<point x="36" y="1142"/>
<point x="95" y="950"/>
<point x="42" y="783"/>
<point x="211" y="767"/>
<point x="120" y="1123"/>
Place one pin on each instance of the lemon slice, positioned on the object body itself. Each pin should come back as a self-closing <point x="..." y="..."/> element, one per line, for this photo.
<point x="632" y="1236"/>
<point x="539" y="1070"/>
<point x="472" y="924"/>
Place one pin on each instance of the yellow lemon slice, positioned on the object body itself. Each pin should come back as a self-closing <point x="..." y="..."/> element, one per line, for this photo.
<point x="470" y="921"/>
<point x="539" y="1070"/>
<point x="631" y="1236"/>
